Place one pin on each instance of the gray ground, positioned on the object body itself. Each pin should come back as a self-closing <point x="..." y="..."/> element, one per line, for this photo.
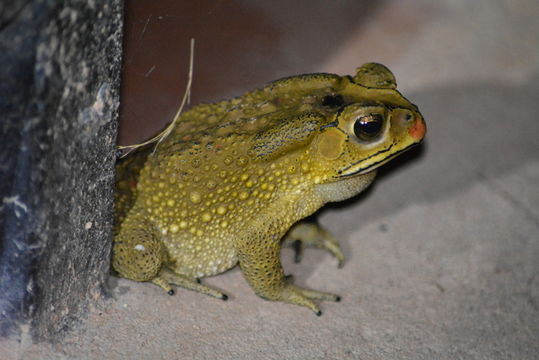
<point x="442" y="254"/>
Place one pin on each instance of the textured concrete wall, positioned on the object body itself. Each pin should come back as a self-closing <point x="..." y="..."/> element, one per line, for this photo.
<point x="59" y="96"/>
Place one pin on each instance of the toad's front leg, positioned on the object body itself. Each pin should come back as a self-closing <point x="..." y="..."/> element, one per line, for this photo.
<point x="310" y="233"/>
<point x="261" y="264"/>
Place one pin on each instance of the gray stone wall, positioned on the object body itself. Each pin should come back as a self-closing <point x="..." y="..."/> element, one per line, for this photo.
<point x="59" y="93"/>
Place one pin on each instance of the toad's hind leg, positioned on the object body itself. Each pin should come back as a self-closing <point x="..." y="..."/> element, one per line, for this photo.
<point x="310" y="233"/>
<point x="139" y="254"/>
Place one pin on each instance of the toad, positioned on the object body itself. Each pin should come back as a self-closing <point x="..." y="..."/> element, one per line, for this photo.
<point x="236" y="177"/>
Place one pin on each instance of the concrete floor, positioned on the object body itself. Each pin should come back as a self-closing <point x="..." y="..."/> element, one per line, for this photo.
<point x="442" y="253"/>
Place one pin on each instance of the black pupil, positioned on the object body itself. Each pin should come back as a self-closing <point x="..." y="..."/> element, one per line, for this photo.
<point x="333" y="100"/>
<point x="368" y="126"/>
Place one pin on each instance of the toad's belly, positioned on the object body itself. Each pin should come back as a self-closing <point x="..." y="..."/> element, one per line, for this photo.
<point x="198" y="257"/>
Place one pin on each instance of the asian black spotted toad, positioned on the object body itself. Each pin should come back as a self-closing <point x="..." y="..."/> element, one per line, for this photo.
<point x="234" y="177"/>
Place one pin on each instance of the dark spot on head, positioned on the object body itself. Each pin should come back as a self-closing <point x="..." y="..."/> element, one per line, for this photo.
<point x="333" y="100"/>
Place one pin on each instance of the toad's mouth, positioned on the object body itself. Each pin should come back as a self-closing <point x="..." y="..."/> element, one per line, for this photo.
<point x="373" y="166"/>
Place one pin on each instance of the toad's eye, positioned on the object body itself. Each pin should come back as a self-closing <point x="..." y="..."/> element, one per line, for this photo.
<point x="368" y="127"/>
<point x="333" y="100"/>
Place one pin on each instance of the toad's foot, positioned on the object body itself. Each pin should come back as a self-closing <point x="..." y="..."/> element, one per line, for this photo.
<point x="293" y="294"/>
<point x="311" y="234"/>
<point x="167" y="277"/>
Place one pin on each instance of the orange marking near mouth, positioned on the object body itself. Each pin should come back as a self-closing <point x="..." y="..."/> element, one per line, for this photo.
<point x="418" y="130"/>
